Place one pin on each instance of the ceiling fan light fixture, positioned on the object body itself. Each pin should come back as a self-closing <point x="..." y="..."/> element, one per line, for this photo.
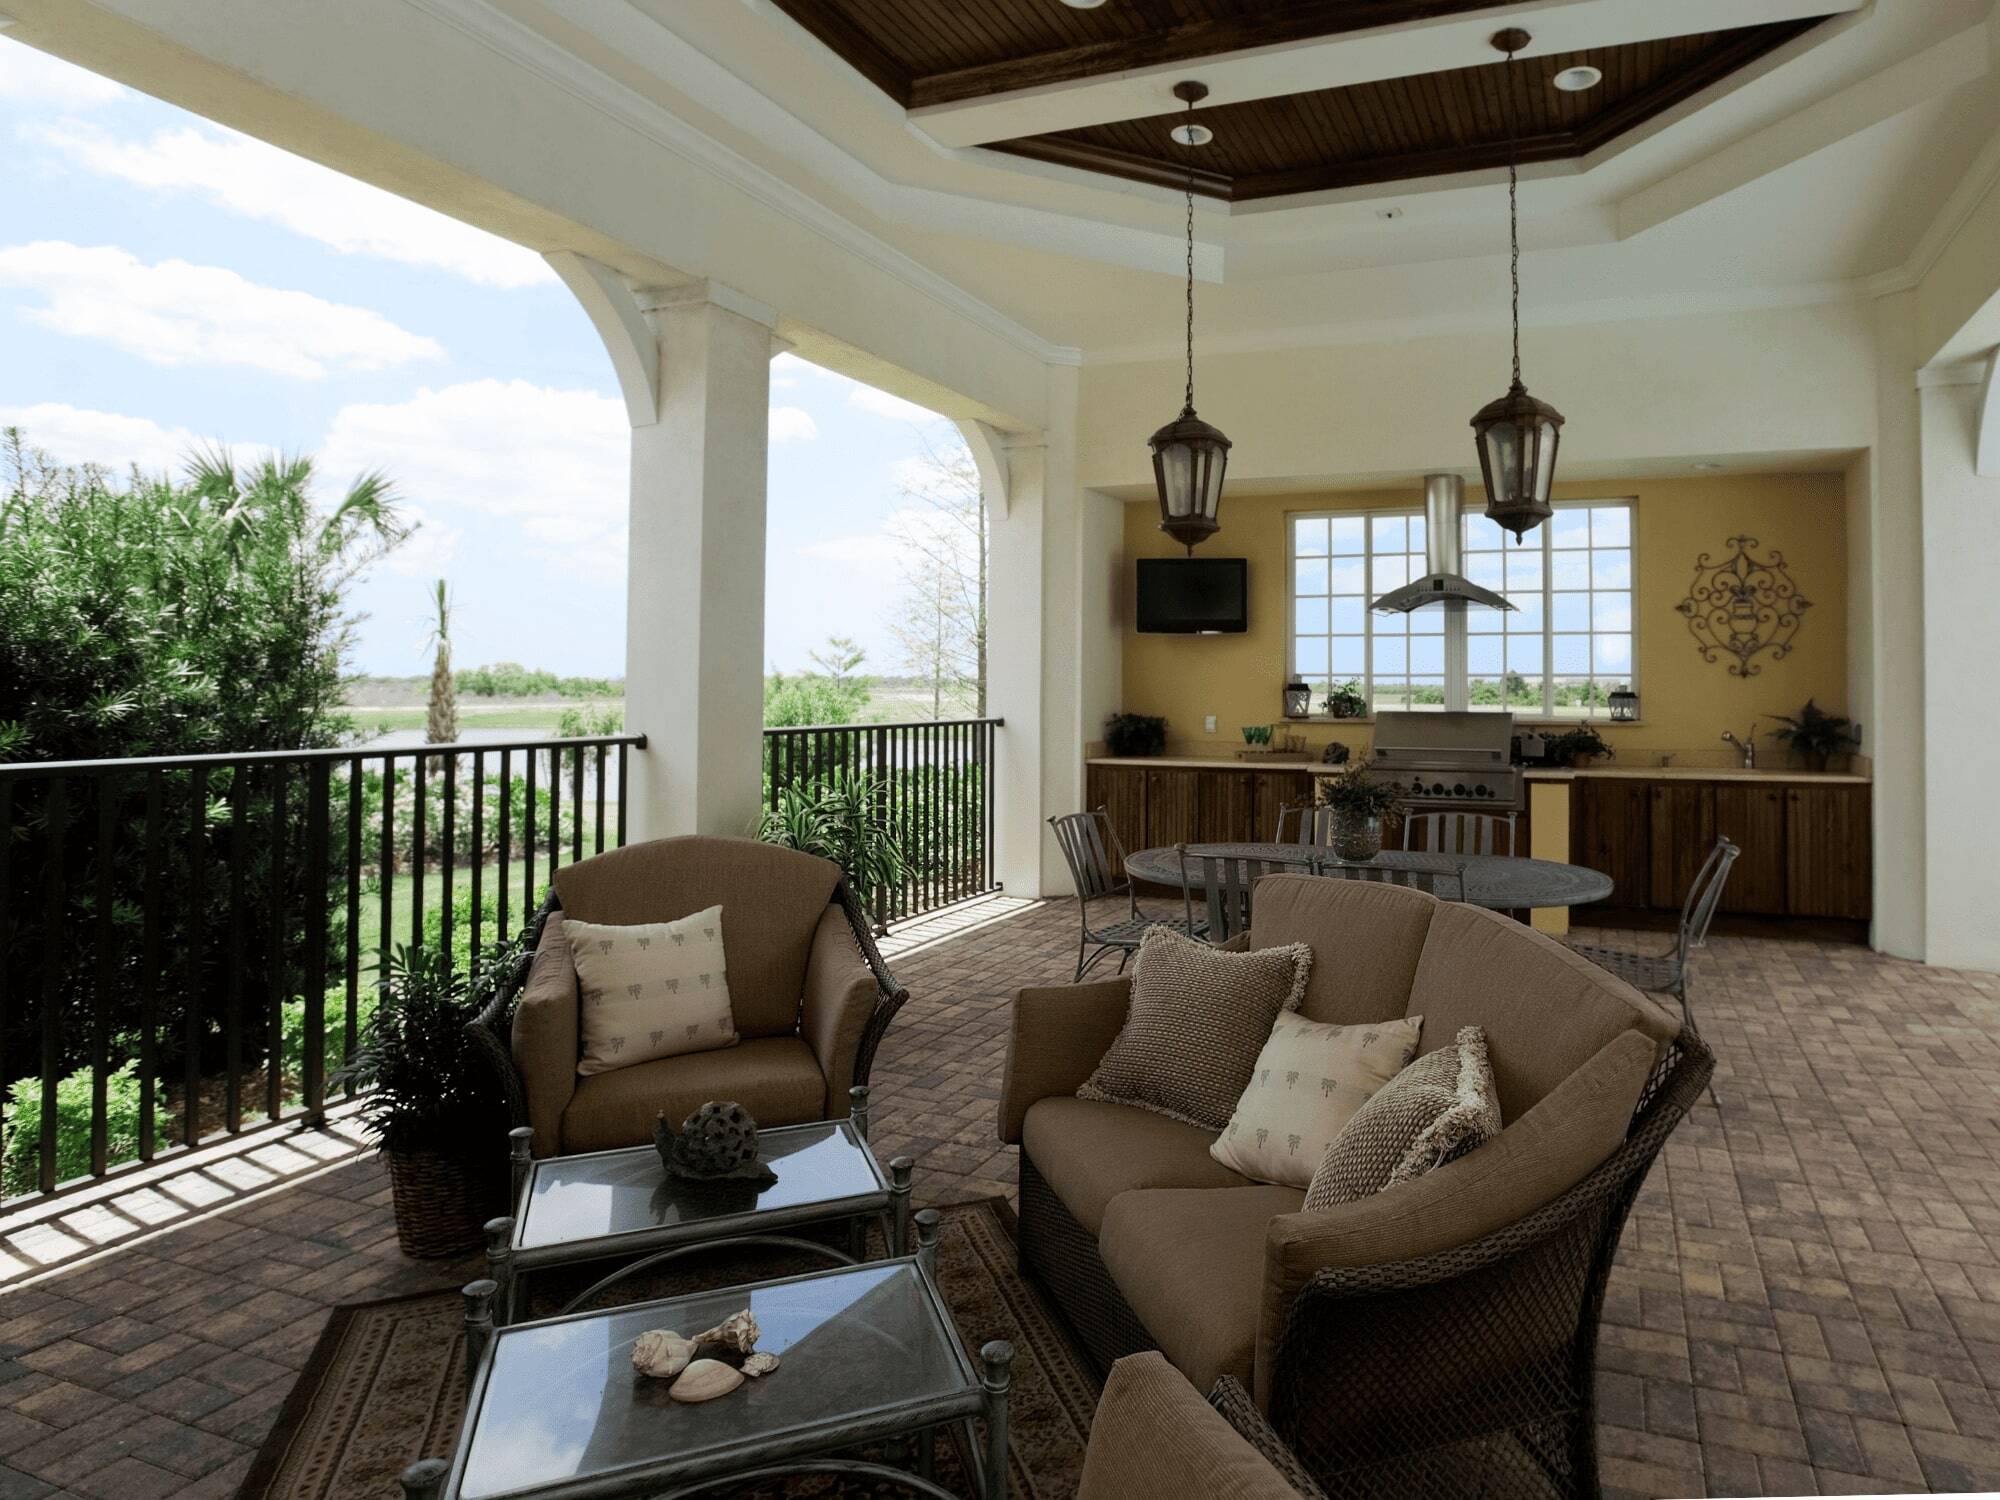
<point x="1191" y="135"/>
<point x="1083" y="4"/>
<point x="1575" y="80"/>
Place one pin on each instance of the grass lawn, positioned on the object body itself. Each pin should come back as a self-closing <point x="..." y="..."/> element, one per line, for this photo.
<point x="405" y="886"/>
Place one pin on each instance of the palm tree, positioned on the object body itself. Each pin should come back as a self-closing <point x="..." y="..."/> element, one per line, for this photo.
<point x="441" y="714"/>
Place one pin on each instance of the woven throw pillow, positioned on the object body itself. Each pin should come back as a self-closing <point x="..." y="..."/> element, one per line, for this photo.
<point x="1435" y="1110"/>
<point x="652" y="990"/>
<point x="1309" y="1080"/>
<point x="1198" y="1018"/>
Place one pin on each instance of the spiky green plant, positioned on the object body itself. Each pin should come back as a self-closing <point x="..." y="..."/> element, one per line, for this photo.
<point x="839" y="818"/>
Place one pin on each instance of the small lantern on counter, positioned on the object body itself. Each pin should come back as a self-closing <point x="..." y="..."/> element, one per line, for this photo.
<point x="1624" y="706"/>
<point x="1298" y="699"/>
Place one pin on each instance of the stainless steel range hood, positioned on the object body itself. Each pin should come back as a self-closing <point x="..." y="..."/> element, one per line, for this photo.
<point x="1444" y="503"/>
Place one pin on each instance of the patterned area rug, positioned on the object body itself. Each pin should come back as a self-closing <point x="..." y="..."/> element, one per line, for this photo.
<point x="385" y="1385"/>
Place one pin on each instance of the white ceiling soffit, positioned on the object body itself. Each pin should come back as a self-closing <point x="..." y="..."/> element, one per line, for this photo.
<point x="1434" y="46"/>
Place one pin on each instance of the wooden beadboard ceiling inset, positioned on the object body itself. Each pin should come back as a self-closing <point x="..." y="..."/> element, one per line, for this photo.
<point x="1423" y="126"/>
<point x="922" y="52"/>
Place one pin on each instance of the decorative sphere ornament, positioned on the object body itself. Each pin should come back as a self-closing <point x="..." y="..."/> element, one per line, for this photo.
<point x="718" y="1142"/>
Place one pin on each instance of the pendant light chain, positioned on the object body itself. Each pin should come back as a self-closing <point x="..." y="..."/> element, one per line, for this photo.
<point x="1187" y="408"/>
<point x="1513" y="209"/>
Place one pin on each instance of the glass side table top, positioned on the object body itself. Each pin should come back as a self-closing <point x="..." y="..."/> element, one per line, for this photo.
<point x="560" y="1400"/>
<point x="572" y="1198"/>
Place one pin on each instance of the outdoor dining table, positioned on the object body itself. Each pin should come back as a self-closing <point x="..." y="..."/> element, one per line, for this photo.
<point x="1499" y="881"/>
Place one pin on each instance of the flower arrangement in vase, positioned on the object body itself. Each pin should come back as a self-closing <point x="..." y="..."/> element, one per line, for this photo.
<point x="1359" y="803"/>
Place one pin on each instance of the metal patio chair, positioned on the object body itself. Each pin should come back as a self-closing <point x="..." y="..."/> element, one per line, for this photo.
<point x="1305" y="824"/>
<point x="1446" y="881"/>
<point x="1462" y="832"/>
<point x="1666" y="973"/>
<point x="1224" y="881"/>
<point x="1091" y="849"/>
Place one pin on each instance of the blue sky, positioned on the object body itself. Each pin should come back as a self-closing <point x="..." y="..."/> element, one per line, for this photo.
<point x="165" y="282"/>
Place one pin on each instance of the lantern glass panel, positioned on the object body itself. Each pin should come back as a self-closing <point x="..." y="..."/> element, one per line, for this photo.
<point x="1177" y="479"/>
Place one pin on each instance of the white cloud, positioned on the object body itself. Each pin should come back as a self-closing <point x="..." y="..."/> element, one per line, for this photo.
<point x="76" y="435"/>
<point x="175" y="313"/>
<point x="790" y="424"/>
<point x="553" y="463"/>
<point x="427" y="552"/>
<point x="882" y="404"/>
<point x="259" y="181"/>
<point x="872" y="548"/>
<point x="31" y="78"/>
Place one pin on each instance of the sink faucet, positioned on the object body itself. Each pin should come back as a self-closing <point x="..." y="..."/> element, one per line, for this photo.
<point x="1747" y="745"/>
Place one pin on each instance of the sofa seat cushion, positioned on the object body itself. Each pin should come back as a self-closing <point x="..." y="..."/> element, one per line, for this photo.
<point x="775" y="1078"/>
<point x="1089" y="1152"/>
<point x="1190" y="1263"/>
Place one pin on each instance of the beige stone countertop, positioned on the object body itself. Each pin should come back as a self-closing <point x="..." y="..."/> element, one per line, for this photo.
<point x="1696" y="773"/>
<point x="1306" y="761"/>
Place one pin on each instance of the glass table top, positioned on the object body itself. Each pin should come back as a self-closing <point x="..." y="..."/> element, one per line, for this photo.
<point x="574" y="1198"/>
<point x="562" y="1401"/>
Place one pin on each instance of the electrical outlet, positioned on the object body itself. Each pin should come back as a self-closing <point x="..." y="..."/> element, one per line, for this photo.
<point x="1208" y="724"/>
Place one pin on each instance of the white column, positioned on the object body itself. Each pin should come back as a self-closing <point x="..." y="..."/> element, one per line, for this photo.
<point x="1014" y="649"/>
<point x="694" y="635"/>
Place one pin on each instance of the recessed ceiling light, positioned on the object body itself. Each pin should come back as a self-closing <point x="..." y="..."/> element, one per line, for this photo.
<point x="1576" y="80"/>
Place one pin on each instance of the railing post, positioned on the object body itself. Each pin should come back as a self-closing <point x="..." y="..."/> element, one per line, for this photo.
<point x="313" y="989"/>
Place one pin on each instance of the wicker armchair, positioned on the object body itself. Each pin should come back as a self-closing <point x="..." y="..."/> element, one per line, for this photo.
<point x="811" y="994"/>
<point x="1436" y="1339"/>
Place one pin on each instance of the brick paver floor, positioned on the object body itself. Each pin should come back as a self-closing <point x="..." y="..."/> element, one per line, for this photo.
<point x="1808" y="1298"/>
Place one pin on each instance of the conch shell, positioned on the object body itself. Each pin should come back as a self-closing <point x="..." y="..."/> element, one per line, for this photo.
<point x="704" y="1380"/>
<point x="736" y="1333"/>
<point x="662" y="1353"/>
<point x="759" y="1364"/>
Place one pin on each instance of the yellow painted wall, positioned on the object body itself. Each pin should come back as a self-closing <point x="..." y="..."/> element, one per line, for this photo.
<point x="1686" y="702"/>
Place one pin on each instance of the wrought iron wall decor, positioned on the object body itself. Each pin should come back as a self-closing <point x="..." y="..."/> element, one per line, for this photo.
<point x="1743" y="605"/>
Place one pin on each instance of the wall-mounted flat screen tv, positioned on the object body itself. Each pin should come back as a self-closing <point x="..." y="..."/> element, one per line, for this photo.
<point x="1193" y="596"/>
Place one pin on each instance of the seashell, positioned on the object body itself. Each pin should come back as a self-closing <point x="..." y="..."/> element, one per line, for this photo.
<point x="704" y="1380"/>
<point x="661" y="1353"/>
<point x="760" y="1364"/>
<point x="736" y="1333"/>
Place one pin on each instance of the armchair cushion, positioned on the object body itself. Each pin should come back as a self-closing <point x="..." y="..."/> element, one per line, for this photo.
<point x="1090" y="1151"/>
<point x="545" y="1042"/>
<point x="841" y="996"/>
<point x="774" y="1077"/>
<point x="774" y="896"/>
<point x="1059" y="1035"/>
<point x="1187" y="1262"/>
<point x="1542" y="1155"/>
<point x="1154" y="1436"/>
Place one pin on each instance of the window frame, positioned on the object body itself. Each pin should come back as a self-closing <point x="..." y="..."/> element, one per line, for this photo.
<point x="1548" y="711"/>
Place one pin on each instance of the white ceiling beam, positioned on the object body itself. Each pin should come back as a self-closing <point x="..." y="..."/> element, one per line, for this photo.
<point x="1352" y="57"/>
<point x="1920" y="79"/>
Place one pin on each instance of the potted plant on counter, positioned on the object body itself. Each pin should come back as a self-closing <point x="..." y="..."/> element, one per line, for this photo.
<point x="1345" y="700"/>
<point x="1359" y="804"/>
<point x="431" y="1103"/>
<point x="1817" y="735"/>
<point x="1135" y="734"/>
<point x="1577" y="747"/>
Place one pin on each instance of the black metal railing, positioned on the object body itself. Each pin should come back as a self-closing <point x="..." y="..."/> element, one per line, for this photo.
<point x="931" y="783"/>
<point x="190" y="945"/>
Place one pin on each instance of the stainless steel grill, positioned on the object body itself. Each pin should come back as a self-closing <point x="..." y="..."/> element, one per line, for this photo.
<point x="1448" y="762"/>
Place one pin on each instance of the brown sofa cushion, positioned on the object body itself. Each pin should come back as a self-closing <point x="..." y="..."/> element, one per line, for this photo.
<point x="774" y="898"/>
<point x="774" y="1077"/>
<point x="545" y="1039"/>
<point x="1197" y="1021"/>
<point x="1154" y="1437"/>
<point x="1366" y="937"/>
<point x="1544" y="1010"/>
<point x="1089" y="1152"/>
<point x="1189" y="1262"/>
<point x="1540" y="1156"/>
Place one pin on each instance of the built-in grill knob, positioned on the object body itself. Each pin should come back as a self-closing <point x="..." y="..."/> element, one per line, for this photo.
<point x="1458" y="789"/>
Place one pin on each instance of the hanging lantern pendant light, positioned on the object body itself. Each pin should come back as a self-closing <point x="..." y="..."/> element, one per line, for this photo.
<point x="1189" y="456"/>
<point x="1516" y="435"/>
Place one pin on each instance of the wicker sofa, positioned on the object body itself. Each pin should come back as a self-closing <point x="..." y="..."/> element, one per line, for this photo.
<point x="809" y="990"/>
<point x="1437" y="1338"/>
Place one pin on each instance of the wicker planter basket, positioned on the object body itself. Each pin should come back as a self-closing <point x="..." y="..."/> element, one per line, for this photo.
<point x="443" y="1202"/>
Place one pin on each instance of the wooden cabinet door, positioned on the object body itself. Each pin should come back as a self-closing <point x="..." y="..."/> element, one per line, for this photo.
<point x="1753" y="816"/>
<point x="1829" y="851"/>
<point x="1121" y="792"/>
<point x="1614" y="835"/>
<point x="1173" y="807"/>
<point x="1682" y="832"/>
<point x="1277" y="790"/>
<point x="1227" y="810"/>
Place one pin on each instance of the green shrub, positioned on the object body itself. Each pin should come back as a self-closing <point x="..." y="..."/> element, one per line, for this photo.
<point x="22" y="1131"/>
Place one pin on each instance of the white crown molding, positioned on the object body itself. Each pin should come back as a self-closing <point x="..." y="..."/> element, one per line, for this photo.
<point x="1959" y="207"/>
<point x="528" y="49"/>
<point x="1957" y="372"/>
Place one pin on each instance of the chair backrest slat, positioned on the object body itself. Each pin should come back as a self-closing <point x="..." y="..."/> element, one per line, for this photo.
<point x="1086" y="840"/>
<point x="1305" y="824"/>
<point x="1226" y="883"/>
<point x="1462" y="832"/>
<point x="1705" y="895"/>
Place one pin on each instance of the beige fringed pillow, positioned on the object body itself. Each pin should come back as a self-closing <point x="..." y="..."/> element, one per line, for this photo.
<point x="1198" y="1018"/>
<point x="1435" y="1110"/>
<point x="655" y="989"/>
<point x="1309" y="1080"/>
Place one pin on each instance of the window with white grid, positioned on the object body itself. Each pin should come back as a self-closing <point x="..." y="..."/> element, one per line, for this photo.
<point x="1561" y="650"/>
